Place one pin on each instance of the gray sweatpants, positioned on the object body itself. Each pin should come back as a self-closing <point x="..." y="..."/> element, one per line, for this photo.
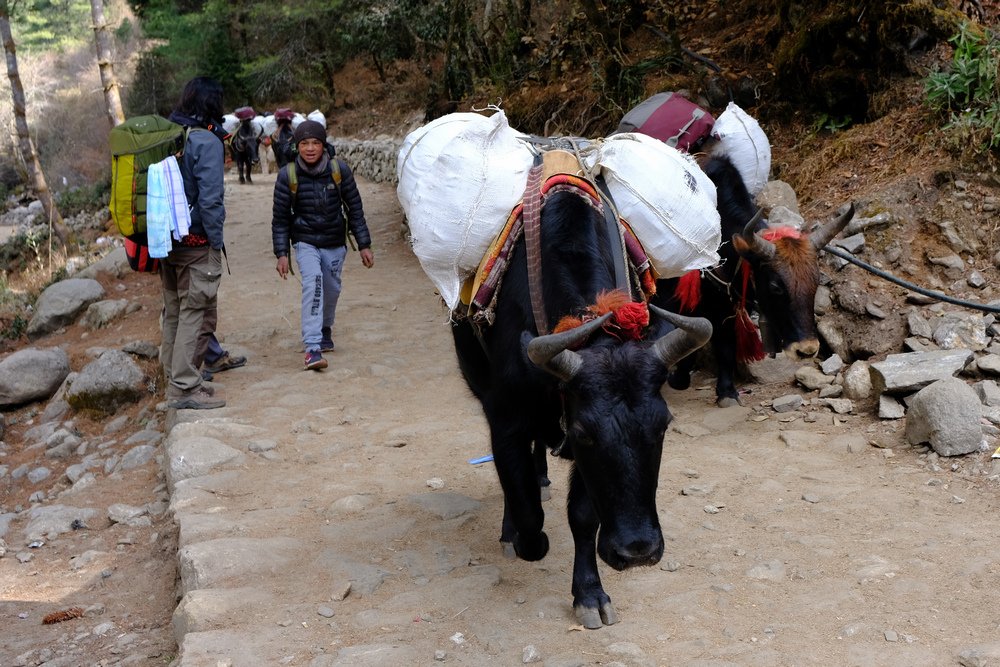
<point x="320" y="269"/>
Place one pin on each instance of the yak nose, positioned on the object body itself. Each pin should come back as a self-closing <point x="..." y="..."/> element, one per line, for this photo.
<point x="803" y="349"/>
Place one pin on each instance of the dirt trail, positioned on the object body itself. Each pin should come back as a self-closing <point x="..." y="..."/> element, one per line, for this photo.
<point x="788" y="543"/>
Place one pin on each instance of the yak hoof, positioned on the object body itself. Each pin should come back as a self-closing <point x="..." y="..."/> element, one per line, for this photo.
<point x="545" y="493"/>
<point x="592" y="618"/>
<point x="534" y="549"/>
<point x="728" y="402"/>
<point x="508" y="550"/>
<point x="679" y="381"/>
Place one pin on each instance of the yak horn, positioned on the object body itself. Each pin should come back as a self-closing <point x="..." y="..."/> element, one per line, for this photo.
<point x="824" y="234"/>
<point x="550" y="352"/>
<point x="760" y="246"/>
<point x="692" y="333"/>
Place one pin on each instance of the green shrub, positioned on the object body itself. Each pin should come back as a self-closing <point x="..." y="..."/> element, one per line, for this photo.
<point x="967" y="91"/>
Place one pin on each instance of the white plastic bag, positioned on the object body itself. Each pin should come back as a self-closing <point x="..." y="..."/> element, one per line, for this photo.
<point x="459" y="178"/>
<point x="667" y="200"/>
<point x="744" y="142"/>
<point x="297" y="120"/>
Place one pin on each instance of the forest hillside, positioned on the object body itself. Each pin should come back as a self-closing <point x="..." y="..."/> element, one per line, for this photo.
<point x="888" y="104"/>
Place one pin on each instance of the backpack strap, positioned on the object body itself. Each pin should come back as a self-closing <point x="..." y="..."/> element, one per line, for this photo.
<point x="293" y="179"/>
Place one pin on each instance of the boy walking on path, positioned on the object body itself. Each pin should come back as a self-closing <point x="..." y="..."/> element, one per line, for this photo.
<point x="310" y="195"/>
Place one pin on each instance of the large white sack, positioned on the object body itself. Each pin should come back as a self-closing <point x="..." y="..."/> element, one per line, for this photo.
<point x="459" y="178"/>
<point x="317" y="116"/>
<point x="742" y="139"/>
<point x="297" y="120"/>
<point x="230" y="122"/>
<point x="258" y="125"/>
<point x="666" y="198"/>
<point x="270" y="125"/>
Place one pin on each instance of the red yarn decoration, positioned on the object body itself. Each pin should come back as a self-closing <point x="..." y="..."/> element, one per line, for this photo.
<point x="631" y="319"/>
<point x="749" y="346"/>
<point x="688" y="291"/>
<point x="627" y="322"/>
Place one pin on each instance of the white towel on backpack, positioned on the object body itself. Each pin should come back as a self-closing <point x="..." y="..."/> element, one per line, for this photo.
<point x="167" y="212"/>
<point x="159" y="212"/>
<point x="178" y="200"/>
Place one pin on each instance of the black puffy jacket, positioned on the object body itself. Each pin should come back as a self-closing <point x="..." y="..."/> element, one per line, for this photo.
<point x="316" y="215"/>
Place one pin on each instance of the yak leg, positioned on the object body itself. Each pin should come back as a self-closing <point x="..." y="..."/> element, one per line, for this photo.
<point x="523" y="516"/>
<point x="239" y="168"/>
<point x="724" y="348"/>
<point x="550" y="439"/>
<point x="591" y="604"/>
<point x="680" y="376"/>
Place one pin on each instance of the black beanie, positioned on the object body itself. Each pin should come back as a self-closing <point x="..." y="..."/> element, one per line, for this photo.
<point x="309" y="129"/>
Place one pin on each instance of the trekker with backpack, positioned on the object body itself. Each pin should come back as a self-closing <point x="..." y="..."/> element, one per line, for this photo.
<point x="191" y="271"/>
<point x="311" y="194"/>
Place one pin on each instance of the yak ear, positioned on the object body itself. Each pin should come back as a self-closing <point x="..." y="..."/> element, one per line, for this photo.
<point x="741" y="246"/>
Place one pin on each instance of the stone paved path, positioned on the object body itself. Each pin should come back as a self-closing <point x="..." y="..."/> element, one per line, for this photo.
<point x="333" y="518"/>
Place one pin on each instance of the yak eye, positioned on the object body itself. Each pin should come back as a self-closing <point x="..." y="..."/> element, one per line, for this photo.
<point x="777" y="288"/>
<point x="581" y="437"/>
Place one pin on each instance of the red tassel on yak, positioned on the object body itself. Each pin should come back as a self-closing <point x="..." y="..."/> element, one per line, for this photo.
<point x="688" y="291"/>
<point x="749" y="346"/>
<point x="628" y="321"/>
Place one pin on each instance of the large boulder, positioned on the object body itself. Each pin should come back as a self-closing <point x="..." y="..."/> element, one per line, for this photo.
<point x="60" y="304"/>
<point x="106" y="384"/>
<point x="31" y="374"/>
<point x="945" y="414"/>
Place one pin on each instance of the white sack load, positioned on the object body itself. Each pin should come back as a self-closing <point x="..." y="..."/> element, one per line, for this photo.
<point x="270" y="125"/>
<point x="742" y="139"/>
<point x="459" y="177"/>
<point x="317" y="116"/>
<point x="297" y="120"/>
<point x="667" y="200"/>
<point x="258" y="125"/>
<point x="230" y="122"/>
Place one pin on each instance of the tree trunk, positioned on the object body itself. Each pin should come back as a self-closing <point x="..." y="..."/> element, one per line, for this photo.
<point x="112" y="93"/>
<point x="26" y="146"/>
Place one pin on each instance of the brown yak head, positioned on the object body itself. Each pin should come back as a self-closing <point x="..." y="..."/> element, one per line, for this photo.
<point x="785" y="265"/>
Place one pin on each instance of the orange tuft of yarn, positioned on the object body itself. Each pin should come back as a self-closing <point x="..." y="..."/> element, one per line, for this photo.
<point x="609" y="302"/>
<point x="566" y="323"/>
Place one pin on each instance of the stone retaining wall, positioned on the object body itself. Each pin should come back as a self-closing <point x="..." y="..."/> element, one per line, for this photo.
<point x="373" y="159"/>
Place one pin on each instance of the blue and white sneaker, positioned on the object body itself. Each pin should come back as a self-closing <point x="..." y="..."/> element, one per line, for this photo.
<point x="315" y="361"/>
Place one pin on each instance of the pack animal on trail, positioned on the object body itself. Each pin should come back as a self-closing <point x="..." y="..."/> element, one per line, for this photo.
<point x="774" y="271"/>
<point x="592" y="396"/>
<point x="244" y="145"/>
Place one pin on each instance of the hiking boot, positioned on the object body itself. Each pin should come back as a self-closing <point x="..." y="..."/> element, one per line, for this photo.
<point x="225" y="363"/>
<point x="206" y="376"/>
<point x="326" y="344"/>
<point x="315" y="361"/>
<point x="199" y="399"/>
